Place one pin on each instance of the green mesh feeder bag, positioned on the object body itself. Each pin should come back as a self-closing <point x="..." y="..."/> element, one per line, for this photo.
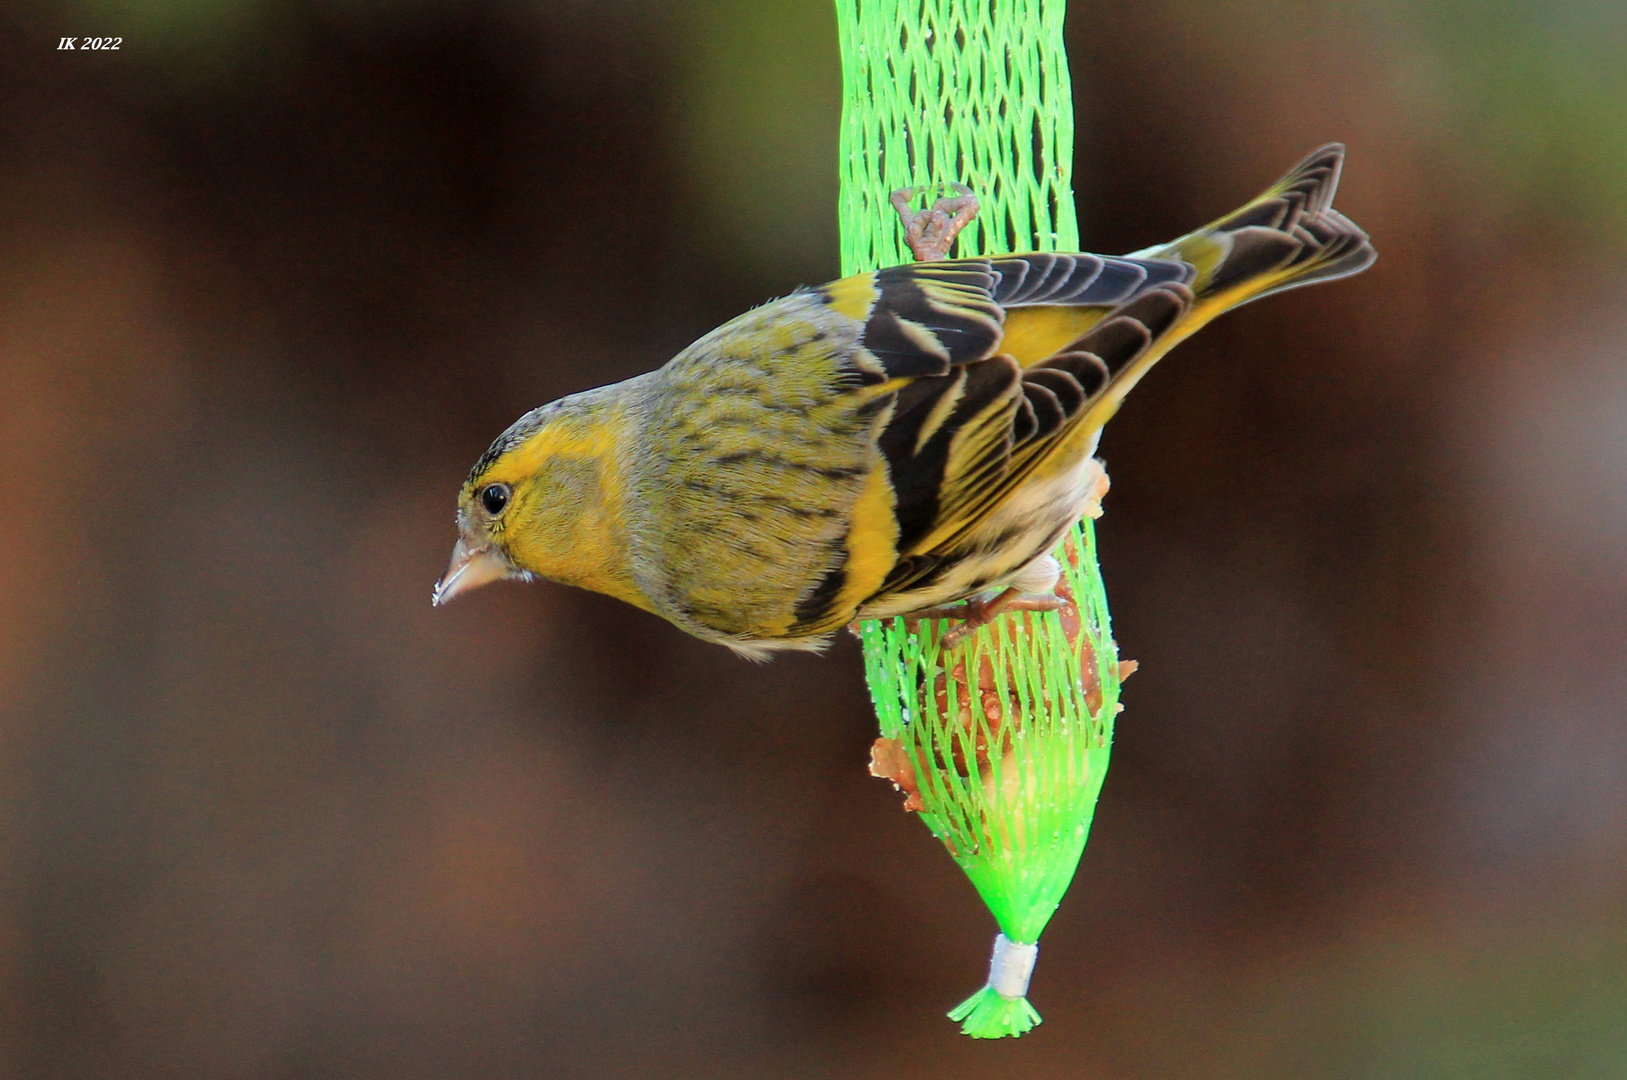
<point x="1000" y="742"/>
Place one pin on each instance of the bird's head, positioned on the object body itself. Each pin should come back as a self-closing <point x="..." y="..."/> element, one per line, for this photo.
<point x="544" y="501"/>
<point x="493" y="499"/>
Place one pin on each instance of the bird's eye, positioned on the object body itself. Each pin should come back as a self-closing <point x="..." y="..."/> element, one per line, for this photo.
<point x="494" y="497"/>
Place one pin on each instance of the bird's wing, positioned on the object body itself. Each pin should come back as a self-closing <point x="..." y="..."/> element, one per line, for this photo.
<point x="962" y="345"/>
<point x="1083" y="329"/>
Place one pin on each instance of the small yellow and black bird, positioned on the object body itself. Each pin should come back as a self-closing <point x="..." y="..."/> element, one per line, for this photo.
<point x="888" y="443"/>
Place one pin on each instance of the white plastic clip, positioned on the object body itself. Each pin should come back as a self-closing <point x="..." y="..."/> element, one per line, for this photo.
<point x="1011" y="967"/>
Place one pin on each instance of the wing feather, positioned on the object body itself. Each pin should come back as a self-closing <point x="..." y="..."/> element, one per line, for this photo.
<point x="961" y="402"/>
<point x="998" y="369"/>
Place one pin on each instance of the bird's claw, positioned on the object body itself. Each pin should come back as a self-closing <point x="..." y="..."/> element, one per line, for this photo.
<point x="930" y="233"/>
<point x="976" y="613"/>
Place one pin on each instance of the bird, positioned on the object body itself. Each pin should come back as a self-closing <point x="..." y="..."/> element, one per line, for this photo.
<point x="913" y="439"/>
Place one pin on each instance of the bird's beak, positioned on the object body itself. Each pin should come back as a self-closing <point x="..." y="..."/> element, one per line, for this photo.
<point x="470" y="568"/>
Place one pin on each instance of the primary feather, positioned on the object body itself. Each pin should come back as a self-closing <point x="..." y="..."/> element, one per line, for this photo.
<point x="889" y="442"/>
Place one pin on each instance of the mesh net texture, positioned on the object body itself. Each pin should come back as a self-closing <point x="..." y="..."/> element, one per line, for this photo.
<point x="1004" y="738"/>
<point x="1002" y="742"/>
<point x="967" y="91"/>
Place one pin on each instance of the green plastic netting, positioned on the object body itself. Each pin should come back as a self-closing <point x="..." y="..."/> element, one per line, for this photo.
<point x="1002" y="742"/>
<point x="938" y="91"/>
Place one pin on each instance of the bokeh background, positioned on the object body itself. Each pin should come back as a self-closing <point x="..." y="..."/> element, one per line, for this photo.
<point x="273" y="275"/>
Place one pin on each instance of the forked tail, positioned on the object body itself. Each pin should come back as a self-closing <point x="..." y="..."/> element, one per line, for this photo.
<point x="1289" y="236"/>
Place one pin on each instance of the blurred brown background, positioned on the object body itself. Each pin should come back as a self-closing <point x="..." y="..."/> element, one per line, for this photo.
<point x="274" y="274"/>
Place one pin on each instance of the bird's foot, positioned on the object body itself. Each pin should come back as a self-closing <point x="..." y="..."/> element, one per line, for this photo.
<point x="931" y="233"/>
<point x="976" y="613"/>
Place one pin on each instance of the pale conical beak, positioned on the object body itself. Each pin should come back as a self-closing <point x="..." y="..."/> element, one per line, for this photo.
<point x="470" y="568"/>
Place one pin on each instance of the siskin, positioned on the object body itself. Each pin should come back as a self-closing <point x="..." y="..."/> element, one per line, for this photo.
<point x="882" y="445"/>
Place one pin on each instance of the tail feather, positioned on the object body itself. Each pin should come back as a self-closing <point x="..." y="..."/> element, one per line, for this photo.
<point x="1287" y="237"/>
